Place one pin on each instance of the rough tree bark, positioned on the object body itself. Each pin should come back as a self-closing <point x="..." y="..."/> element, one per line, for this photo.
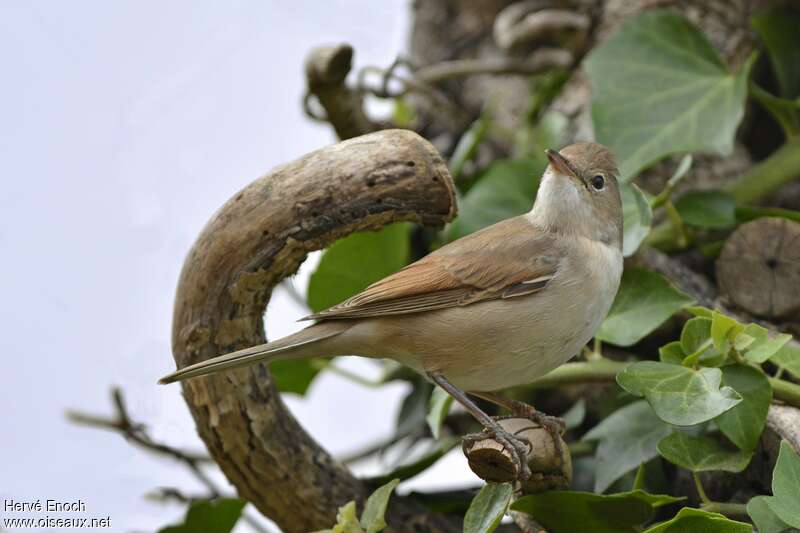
<point x="254" y="241"/>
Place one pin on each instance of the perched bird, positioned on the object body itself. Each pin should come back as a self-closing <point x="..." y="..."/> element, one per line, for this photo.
<point x="497" y="308"/>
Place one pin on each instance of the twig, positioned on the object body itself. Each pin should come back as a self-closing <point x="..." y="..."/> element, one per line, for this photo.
<point x="136" y="433"/>
<point x="372" y="449"/>
<point x="543" y="60"/>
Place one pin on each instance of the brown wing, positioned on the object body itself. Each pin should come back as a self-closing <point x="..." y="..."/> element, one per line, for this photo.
<point x="511" y="258"/>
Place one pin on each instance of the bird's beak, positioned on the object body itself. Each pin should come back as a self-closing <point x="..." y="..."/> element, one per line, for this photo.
<point x="562" y="165"/>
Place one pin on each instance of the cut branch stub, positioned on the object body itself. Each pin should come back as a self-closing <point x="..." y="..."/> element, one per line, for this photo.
<point x="255" y="240"/>
<point x="326" y="72"/>
<point x="759" y="268"/>
<point x="494" y="463"/>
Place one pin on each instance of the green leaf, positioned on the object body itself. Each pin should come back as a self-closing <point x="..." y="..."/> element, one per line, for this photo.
<point x="346" y="520"/>
<point x="439" y="406"/>
<point x="424" y="456"/>
<point x="699" y="310"/>
<point x="763" y="348"/>
<point x="571" y="511"/>
<point x="403" y="114"/>
<point x="788" y="357"/>
<point x="681" y="171"/>
<point x="645" y="301"/>
<point x="690" y="520"/>
<point x="707" y="209"/>
<point x="576" y="414"/>
<point x="414" y="408"/>
<point x="293" y="376"/>
<point x="627" y="438"/>
<point x="672" y="353"/>
<point x="637" y="217"/>
<point x="777" y="27"/>
<point x="505" y="189"/>
<point x="659" y="88"/>
<point x="696" y="335"/>
<point x="785" y="501"/>
<point x="468" y="145"/>
<point x="372" y="519"/>
<point x="487" y="508"/>
<point x="203" y="516"/>
<point x="679" y="395"/>
<point x="351" y="264"/>
<point x="763" y="517"/>
<point x="723" y="330"/>
<point x="744" y="423"/>
<point x="699" y="453"/>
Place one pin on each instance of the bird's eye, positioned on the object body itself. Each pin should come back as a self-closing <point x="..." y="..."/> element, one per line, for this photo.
<point x="598" y="182"/>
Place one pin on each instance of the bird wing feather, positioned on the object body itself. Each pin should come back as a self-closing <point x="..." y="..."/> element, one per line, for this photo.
<point x="509" y="259"/>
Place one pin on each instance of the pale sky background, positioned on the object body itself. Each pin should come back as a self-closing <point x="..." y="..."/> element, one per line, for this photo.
<point x="123" y="126"/>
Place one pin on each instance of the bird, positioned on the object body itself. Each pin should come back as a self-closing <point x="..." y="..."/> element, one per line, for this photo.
<point x="497" y="308"/>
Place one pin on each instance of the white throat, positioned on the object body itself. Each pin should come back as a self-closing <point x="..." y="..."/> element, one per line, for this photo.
<point x="562" y="207"/>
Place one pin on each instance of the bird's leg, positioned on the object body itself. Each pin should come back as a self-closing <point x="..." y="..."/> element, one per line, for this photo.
<point x="519" y="446"/>
<point x="554" y="425"/>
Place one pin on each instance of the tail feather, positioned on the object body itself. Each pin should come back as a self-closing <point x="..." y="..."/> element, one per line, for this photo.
<point x="285" y="348"/>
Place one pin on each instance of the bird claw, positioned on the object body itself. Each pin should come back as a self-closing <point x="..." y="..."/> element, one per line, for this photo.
<point x="555" y="426"/>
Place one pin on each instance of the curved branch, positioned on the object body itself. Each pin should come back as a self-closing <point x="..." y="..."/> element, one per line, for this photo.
<point x="256" y="239"/>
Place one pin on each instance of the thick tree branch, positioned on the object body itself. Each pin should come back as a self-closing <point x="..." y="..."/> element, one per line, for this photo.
<point x="254" y="241"/>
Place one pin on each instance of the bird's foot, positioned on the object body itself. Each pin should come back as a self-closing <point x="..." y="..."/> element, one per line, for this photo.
<point x="519" y="447"/>
<point x="554" y="425"/>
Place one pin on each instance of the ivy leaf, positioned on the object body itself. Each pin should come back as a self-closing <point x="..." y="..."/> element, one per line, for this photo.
<point x="700" y="453"/>
<point x="414" y="408"/>
<point x="439" y="406"/>
<point x="690" y="520"/>
<point x="763" y="517"/>
<point x="627" y="438"/>
<point x="777" y="27"/>
<point x="659" y="88"/>
<point x="218" y="516"/>
<point x="346" y="520"/>
<point x="699" y="310"/>
<point x="696" y="337"/>
<point x="425" y="454"/>
<point x="723" y="330"/>
<point x="351" y="264"/>
<point x="785" y="501"/>
<point x="763" y="348"/>
<point x="788" y="357"/>
<point x="645" y="301"/>
<point x="672" y="353"/>
<point x="372" y="519"/>
<point x="707" y="209"/>
<point x="487" y="508"/>
<point x="744" y="423"/>
<point x="571" y="511"/>
<point x="505" y="189"/>
<point x="637" y="217"/>
<point x="679" y="395"/>
<point x="293" y="375"/>
<point x="576" y="414"/>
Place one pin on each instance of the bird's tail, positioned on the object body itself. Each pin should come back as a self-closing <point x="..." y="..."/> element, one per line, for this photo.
<point x="294" y="346"/>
